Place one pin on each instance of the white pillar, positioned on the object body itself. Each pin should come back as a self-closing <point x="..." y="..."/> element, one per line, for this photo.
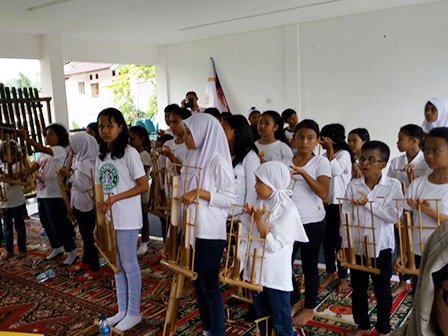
<point x="163" y="96"/>
<point x="292" y="70"/>
<point x="52" y="76"/>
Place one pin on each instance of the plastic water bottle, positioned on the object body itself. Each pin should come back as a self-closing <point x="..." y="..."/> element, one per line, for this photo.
<point x="43" y="233"/>
<point x="104" y="326"/>
<point x="44" y="276"/>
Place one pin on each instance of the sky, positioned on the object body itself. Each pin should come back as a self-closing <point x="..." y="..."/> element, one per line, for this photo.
<point x="10" y="68"/>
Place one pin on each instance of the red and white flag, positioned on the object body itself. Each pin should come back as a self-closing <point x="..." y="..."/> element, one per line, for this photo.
<point x="214" y="95"/>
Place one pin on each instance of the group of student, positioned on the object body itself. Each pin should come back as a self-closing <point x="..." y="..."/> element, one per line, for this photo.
<point x="257" y="167"/>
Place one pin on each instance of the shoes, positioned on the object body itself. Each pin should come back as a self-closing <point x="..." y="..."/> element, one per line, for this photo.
<point x="89" y="275"/>
<point x="6" y="255"/>
<point x="142" y="249"/>
<point x="80" y="267"/>
<point x="21" y="254"/>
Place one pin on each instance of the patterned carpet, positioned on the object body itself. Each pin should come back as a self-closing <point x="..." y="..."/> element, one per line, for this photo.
<point x="65" y="306"/>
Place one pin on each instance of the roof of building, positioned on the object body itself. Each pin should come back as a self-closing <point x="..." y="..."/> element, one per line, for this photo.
<point x="76" y="68"/>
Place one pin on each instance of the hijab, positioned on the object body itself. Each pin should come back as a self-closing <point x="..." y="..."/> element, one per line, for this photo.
<point x="284" y="220"/>
<point x="442" y="114"/>
<point x="86" y="150"/>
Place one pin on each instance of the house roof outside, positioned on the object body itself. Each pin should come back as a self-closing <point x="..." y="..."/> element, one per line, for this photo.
<point x="76" y="68"/>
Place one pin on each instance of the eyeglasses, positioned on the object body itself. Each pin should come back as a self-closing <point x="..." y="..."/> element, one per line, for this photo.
<point x="370" y="160"/>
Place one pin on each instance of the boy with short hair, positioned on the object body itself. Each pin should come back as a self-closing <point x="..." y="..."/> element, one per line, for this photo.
<point x="290" y="118"/>
<point x="382" y="190"/>
<point x="168" y="109"/>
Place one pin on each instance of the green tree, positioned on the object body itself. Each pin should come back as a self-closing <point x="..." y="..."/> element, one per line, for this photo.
<point x="22" y="82"/>
<point x="129" y="75"/>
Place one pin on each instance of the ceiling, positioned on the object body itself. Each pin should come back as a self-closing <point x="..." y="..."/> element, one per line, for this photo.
<point x="158" y="22"/>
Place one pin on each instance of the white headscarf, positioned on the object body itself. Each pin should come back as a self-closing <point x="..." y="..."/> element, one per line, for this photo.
<point x="442" y="117"/>
<point x="210" y="141"/>
<point x="435" y="257"/>
<point x="285" y="220"/>
<point x="86" y="150"/>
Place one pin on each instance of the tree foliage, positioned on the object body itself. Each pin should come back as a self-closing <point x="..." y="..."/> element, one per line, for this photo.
<point x="124" y="91"/>
<point x="22" y="82"/>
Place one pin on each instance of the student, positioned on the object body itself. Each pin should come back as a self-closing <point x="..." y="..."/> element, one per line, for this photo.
<point x="382" y="190"/>
<point x="207" y="144"/>
<point x="92" y="129"/>
<point x="436" y="114"/>
<point x="244" y="157"/>
<point x="52" y="210"/>
<point x="85" y="148"/>
<point x="140" y="141"/>
<point x="254" y="119"/>
<point x="119" y="169"/>
<point x="168" y="110"/>
<point x="340" y="157"/>
<point x="356" y="138"/>
<point x="289" y="116"/>
<point x="431" y="186"/>
<point x="285" y="227"/>
<point x="12" y="208"/>
<point x="191" y="102"/>
<point x="272" y="144"/>
<point x="312" y="175"/>
<point x="214" y="112"/>
<point x="177" y="149"/>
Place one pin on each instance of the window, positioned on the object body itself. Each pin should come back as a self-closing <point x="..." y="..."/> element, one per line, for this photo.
<point x="113" y="73"/>
<point x="91" y="77"/>
<point x="95" y="90"/>
<point x="96" y="76"/>
<point x="81" y="88"/>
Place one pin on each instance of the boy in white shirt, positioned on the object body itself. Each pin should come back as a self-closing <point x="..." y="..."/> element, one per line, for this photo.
<point x="382" y="190"/>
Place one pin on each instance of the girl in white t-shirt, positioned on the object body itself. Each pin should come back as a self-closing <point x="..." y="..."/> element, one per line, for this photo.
<point x="356" y="138"/>
<point x="341" y="159"/>
<point x="140" y="141"/>
<point x="311" y="187"/>
<point x="175" y="149"/>
<point x="436" y="114"/>
<point x="52" y="210"/>
<point x="119" y="169"/>
<point x="244" y="157"/>
<point x="85" y="147"/>
<point x="273" y="144"/>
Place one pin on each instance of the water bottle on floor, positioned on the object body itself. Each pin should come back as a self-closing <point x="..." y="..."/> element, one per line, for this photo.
<point x="104" y="326"/>
<point x="44" y="276"/>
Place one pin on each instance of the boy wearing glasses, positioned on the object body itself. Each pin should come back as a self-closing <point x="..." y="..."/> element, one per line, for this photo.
<point x="381" y="190"/>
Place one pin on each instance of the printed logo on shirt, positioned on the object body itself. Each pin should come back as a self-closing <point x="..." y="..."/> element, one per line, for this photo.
<point x="109" y="177"/>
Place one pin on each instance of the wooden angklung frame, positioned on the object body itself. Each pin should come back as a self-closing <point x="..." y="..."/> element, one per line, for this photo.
<point x="406" y="230"/>
<point x="368" y="260"/>
<point x="65" y="187"/>
<point x="160" y="205"/>
<point x="411" y="176"/>
<point x="181" y="254"/>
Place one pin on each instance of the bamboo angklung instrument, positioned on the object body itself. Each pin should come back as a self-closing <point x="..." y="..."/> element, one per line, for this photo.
<point x="15" y="154"/>
<point x="364" y="245"/>
<point x="159" y="202"/>
<point x="65" y="187"/>
<point x="411" y="176"/>
<point x="406" y="229"/>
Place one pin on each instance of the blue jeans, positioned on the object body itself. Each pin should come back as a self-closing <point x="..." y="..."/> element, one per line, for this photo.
<point x="208" y="294"/>
<point x="276" y="303"/>
<point x="129" y="280"/>
<point x="16" y="215"/>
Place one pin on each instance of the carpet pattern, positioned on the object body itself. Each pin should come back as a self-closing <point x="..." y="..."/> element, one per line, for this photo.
<point x="65" y="306"/>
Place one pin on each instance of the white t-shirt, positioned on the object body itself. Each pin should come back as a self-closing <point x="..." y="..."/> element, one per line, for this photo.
<point x="180" y="150"/>
<point x="276" y="151"/>
<point x="245" y="180"/>
<point x="47" y="184"/>
<point x="310" y="206"/>
<point x="341" y="174"/>
<point x="13" y="192"/>
<point x="423" y="188"/>
<point x="420" y="166"/>
<point x="80" y="196"/>
<point x="146" y="160"/>
<point x="118" y="176"/>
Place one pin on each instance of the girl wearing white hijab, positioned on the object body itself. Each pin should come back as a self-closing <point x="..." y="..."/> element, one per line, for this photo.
<point x="85" y="148"/>
<point x="208" y="149"/>
<point x="285" y="227"/>
<point x="436" y="114"/>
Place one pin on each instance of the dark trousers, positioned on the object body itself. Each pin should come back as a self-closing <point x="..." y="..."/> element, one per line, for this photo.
<point x="145" y="227"/>
<point x="208" y="294"/>
<point x="164" y="224"/>
<point x="403" y="277"/>
<point x="277" y="304"/>
<point x="53" y="217"/>
<point x="13" y="217"/>
<point x="333" y="240"/>
<point x="86" y="223"/>
<point x="310" y="257"/>
<point x="381" y="286"/>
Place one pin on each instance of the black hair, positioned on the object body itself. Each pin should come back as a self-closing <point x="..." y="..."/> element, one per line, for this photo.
<point x="142" y="133"/>
<point x="4" y="149"/>
<point x="61" y="132"/>
<point x="182" y="112"/>
<point x="439" y="132"/>
<point x="164" y="138"/>
<point x="244" y="141"/>
<point x="336" y="132"/>
<point x="214" y="112"/>
<point x="380" y="146"/>
<point x="279" y="134"/>
<point x="288" y="113"/>
<point x="191" y="93"/>
<point x="94" y="127"/>
<point x="252" y="112"/>
<point x="170" y="108"/>
<point x="308" y="123"/>
<point x="363" y="133"/>
<point x="120" y="143"/>
<point x="226" y="114"/>
<point x="413" y="131"/>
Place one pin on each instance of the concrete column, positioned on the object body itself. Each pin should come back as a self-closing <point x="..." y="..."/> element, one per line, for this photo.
<point x="52" y="76"/>
<point x="292" y="70"/>
<point x="163" y="95"/>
